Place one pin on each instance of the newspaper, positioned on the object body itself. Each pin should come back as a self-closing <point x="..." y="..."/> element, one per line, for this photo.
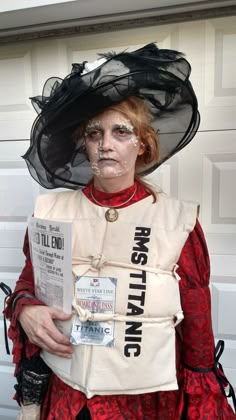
<point x="51" y="255"/>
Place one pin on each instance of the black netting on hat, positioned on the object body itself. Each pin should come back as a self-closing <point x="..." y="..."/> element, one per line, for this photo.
<point x="160" y="77"/>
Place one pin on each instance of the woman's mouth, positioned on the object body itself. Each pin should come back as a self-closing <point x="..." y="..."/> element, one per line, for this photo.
<point x="107" y="160"/>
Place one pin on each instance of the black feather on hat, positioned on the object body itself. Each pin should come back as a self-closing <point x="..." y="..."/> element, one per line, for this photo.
<point x="158" y="76"/>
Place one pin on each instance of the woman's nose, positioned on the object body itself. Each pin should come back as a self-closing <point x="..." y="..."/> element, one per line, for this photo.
<point x="106" y="141"/>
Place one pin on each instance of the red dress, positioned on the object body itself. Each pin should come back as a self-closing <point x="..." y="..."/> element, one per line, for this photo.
<point x="200" y="395"/>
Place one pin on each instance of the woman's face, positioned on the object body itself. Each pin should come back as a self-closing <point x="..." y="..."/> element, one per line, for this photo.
<point x="112" y="145"/>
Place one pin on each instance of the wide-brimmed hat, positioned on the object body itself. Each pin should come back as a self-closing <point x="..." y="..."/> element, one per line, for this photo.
<point x="159" y="76"/>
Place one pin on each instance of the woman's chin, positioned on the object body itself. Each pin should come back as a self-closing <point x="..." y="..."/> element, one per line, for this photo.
<point x="108" y="173"/>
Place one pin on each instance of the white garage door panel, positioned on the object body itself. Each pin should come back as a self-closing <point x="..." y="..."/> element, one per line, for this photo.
<point x="220" y="85"/>
<point x="214" y="242"/>
<point x="7" y="414"/>
<point x="11" y="259"/>
<point x="15" y="199"/>
<point x="11" y="236"/>
<point x="6" y="373"/>
<point x="12" y="188"/>
<point x="224" y="295"/>
<point x="224" y="265"/>
<point x="16" y="113"/>
<point x="228" y="358"/>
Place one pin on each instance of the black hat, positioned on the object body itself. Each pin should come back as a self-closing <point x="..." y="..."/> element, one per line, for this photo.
<point x="159" y="76"/>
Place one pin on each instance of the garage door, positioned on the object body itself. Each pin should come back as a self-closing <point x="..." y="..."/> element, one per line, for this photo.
<point x="204" y="172"/>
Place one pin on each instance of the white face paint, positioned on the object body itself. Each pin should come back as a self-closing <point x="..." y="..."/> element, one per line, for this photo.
<point x="112" y="145"/>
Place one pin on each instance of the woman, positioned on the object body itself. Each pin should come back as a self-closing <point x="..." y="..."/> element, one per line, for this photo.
<point x="98" y="130"/>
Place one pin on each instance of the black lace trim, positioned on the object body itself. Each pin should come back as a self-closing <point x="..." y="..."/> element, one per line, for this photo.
<point x="32" y="381"/>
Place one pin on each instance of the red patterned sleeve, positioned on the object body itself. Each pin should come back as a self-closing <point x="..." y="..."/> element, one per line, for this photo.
<point x="202" y="388"/>
<point x="25" y="285"/>
<point x="194" y="270"/>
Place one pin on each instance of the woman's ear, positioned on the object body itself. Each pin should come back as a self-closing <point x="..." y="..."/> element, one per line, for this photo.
<point x="142" y="149"/>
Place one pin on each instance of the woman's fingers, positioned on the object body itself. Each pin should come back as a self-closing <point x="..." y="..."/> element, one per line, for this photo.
<point x="51" y="346"/>
<point x="47" y="325"/>
<point x="37" y="322"/>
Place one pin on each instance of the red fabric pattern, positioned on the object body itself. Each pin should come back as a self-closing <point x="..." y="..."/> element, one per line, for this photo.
<point x="196" y="302"/>
<point x="199" y="396"/>
<point x="116" y="199"/>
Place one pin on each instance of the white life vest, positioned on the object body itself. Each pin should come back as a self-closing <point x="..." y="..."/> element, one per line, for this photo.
<point x="140" y="250"/>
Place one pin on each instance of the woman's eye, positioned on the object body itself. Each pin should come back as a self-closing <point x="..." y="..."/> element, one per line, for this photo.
<point x="123" y="133"/>
<point x="94" y="134"/>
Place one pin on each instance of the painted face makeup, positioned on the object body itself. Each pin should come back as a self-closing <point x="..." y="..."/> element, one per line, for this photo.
<point x="112" y="145"/>
<point x="120" y="131"/>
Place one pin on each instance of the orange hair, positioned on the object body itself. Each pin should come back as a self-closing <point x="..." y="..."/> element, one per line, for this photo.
<point x="136" y="111"/>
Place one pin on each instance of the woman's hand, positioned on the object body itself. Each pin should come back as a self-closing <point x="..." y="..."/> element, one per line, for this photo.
<point x="37" y="322"/>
